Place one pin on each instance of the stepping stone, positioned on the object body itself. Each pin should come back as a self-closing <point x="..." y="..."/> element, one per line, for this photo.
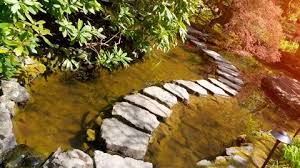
<point x="211" y="87"/>
<point x="137" y="116"/>
<point x="227" y="65"/>
<point x="197" y="32"/>
<point x="126" y="140"/>
<point x="229" y="83"/>
<point x="228" y="71"/>
<point x="161" y="95"/>
<point x="223" y="86"/>
<point x="199" y="44"/>
<point x="216" y="56"/>
<point x="105" y="160"/>
<point x="192" y="87"/>
<point x="149" y="104"/>
<point x="177" y="91"/>
<point x="230" y="77"/>
<point x="190" y="37"/>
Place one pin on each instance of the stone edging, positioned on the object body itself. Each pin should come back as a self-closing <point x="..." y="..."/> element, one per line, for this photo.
<point x="134" y="119"/>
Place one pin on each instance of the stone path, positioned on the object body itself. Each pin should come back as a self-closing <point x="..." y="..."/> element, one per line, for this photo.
<point x="133" y="120"/>
<point x="129" y="135"/>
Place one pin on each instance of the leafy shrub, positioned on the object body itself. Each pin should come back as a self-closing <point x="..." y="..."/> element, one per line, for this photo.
<point x="119" y="29"/>
<point x="291" y="153"/>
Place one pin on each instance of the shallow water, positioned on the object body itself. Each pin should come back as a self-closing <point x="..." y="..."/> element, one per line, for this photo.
<point x="60" y="105"/>
<point x="200" y="130"/>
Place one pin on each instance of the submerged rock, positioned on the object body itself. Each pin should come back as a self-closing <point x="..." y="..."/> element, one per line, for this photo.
<point x="21" y="157"/>
<point x="14" y="91"/>
<point x="70" y="159"/>
<point x="285" y="92"/>
<point x="124" y="139"/>
<point x="104" y="160"/>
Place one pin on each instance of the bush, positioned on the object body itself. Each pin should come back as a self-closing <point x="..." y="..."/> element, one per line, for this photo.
<point x="256" y="27"/>
<point x="112" y="31"/>
<point x="291" y="153"/>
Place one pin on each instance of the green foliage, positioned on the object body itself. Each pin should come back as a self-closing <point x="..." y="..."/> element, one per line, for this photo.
<point x="291" y="153"/>
<point x="8" y="66"/>
<point x="119" y="29"/>
<point x="113" y="59"/>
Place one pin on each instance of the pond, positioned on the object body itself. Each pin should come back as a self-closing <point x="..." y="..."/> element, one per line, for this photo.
<point x="60" y="105"/>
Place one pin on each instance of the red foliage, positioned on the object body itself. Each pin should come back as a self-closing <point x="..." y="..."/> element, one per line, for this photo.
<point x="256" y="26"/>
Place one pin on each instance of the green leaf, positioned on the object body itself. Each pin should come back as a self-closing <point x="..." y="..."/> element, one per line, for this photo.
<point x="19" y="50"/>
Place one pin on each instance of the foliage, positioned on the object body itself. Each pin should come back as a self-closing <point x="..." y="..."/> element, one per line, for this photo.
<point x="134" y="27"/>
<point x="256" y="27"/>
<point x="112" y="59"/>
<point x="8" y="66"/>
<point x="288" y="46"/>
<point x="291" y="153"/>
<point x="247" y="27"/>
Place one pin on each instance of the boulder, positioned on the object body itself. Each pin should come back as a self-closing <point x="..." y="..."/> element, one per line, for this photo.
<point x="178" y="91"/>
<point x="22" y="157"/>
<point x="70" y="159"/>
<point x="6" y="105"/>
<point x="285" y="92"/>
<point x="124" y="139"/>
<point x="104" y="160"/>
<point x="137" y="116"/>
<point x="7" y="142"/>
<point x="192" y="87"/>
<point x="14" y="91"/>
<point x="149" y="104"/>
<point x="204" y="163"/>
<point x="162" y="95"/>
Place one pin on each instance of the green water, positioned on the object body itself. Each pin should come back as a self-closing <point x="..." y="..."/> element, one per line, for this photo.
<point x="60" y="105"/>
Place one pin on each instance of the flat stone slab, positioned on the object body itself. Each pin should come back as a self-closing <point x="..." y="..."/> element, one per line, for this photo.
<point x="149" y="104"/>
<point x="137" y="116"/>
<point x="230" y="77"/>
<point x="161" y="95"/>
<point x="126" y="140"/>
<point x="227" y="65"/>
<point x="190" y="37"/>
<point x="211" y="87"/>
<point x="216" y="56"/>
<point x="105" y="160"/>
<point x="228" y="71"/>
<point x="70" y="159"/>
<point x="229" y="83"/>
<point x="199" y="44"/>
<point x="192" y="87"/>
<point x="223" y="86"/>
<point x="177" y="91"/>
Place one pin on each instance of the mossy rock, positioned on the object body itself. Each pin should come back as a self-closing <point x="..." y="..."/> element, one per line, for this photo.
<point x="21" y="157"/>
